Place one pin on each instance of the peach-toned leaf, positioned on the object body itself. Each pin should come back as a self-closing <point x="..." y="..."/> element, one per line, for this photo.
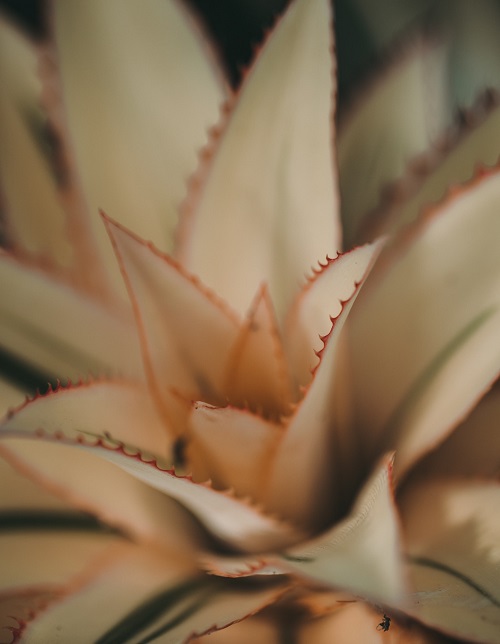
<point x="304" y="483"/>
<point x="424" y="330"/>
<point x="123" y="409"/>
<point x="227" y="517"/>
<point x="235" y="446"/>
<point x="451" y="160"/>
<point x="396" y="118"/>
<point x="268" y="207"/>
<point x="361" y="553"/>
<point x="129" y="583"/>
<point x="60" y="331"/>
<point x="186" y="332"/>
<point x="31" y="438"/>
<point x="452" y="534"/>
<point x="135" y="118"/>
<point x="40" y="563"/>
<point x="257" y="371"/>
<point x="319" y="302"/>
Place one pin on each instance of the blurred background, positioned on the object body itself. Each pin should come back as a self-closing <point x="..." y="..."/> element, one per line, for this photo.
<point x="237" y="26"/>
<point x="365" y="30"/>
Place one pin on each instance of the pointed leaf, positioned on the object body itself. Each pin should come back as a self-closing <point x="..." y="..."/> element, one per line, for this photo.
<point x="135" y="118"/>
<point x="428" y="320"/>
<point x="392" y="122"/>
<point x="186" y="332"/>
<point x="452" y="534"/>
<point x="318" y="302"/>
<point x="362" y="553"/>
<point x="303" y="484"/>
<point x="257" y="372"/>
<point x="236" y="447"/>
<point x="273" y="165"/>
<point x="60" y="331"/>
<point x="123" y="409"/>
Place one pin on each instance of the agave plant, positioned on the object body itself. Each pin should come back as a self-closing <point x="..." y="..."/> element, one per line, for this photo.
<point x="309" y="441"/>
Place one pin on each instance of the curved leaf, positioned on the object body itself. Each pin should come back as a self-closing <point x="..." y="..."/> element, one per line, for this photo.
<point x="310" y="316"/>
<point x="273" y="164"/>
<point x="304" y="484"/>
<point x="427" y="321"/>
<point x="186" y="332"/>
<point x="134" y="117"/>
<point x="227" y="517"/>
<point x="452" y="534"/>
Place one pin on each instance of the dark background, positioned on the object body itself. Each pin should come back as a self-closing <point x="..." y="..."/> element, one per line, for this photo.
<point x="237" y="26"/>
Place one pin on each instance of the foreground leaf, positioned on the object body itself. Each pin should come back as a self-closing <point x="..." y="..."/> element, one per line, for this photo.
<point x="32" y="438"/>
<point x="452" y="534"/>
<point x="227" y="517"/>
<point x="361" y="553"/>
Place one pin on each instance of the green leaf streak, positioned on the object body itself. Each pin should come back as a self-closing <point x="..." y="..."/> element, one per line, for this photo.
<point x="152" y="609"/>
<point x="190" y="610"/>
<point x="437" y="565"/>
<point x="53" y="521"/>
